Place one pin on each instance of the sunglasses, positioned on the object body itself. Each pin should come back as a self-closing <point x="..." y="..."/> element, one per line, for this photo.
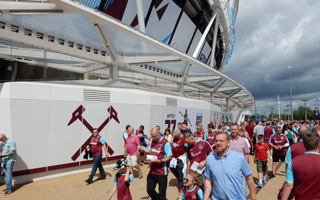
<point x="187" y="180"/>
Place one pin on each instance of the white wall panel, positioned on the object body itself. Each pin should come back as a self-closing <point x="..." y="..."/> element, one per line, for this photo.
<point x="61" y="93"/>
<point x="30" y="91"/>
<point x="30" y="131"/>
<point x="5" y="117"/>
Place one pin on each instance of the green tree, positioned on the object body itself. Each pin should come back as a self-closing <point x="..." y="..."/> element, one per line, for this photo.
<point x="299" y="114"/>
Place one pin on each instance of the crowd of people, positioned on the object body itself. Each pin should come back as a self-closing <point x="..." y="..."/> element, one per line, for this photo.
<point x="212" y="162"/>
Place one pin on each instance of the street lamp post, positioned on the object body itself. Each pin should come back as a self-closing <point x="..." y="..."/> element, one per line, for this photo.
<point x="290" y="87"/>
<point x="288" y="105"/>
<point x="305" y="108"/>
<point x="284" y="118"/>
<point x="272" y="113"/>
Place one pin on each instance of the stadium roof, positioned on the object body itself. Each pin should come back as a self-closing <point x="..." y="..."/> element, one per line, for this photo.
<point x="70" y="36"/>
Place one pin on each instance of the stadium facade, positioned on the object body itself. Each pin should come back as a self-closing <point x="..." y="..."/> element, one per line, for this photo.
<point x="67" y="67"/>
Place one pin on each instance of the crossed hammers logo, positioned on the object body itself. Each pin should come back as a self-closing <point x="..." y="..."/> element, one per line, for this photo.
<point x="77" y="115"/>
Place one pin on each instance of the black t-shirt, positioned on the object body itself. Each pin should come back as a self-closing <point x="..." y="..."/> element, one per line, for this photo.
<point x="186" y="131"/>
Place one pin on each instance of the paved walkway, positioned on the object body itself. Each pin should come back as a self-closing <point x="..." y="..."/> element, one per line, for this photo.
<point x="73" y="187"/>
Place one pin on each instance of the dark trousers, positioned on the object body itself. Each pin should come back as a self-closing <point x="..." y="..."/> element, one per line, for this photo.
<point x="97" y="164"/>
<point x="178" y="173"/>
<point x="291" y="142"/>
<point x="152" y="181"/>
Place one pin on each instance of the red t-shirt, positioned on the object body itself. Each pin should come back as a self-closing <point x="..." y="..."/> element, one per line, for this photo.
<point x="199" y="151"/>
<point x="199" y="135"/>
<point x="261" y="151"/>
<point x="249" y="129"/>
<point x="268" y="131"/>
<point x="177" y="147"/>
<point x="211" y="136"/>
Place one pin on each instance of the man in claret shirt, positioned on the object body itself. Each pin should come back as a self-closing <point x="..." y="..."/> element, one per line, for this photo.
<point x="158" y="173"/>
<point x="97" y="142"/>
<point x="210" y="135"/>
<point x="279" y="142"/>
<point x="197" y="151"/>
<point x="199" y="133"/>
<point x="178" y="164"/>
<point x="303" y="171"/>
<point x="268" y="132"/>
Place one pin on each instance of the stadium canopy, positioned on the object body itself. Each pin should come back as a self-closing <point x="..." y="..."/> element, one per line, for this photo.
<point x="71" y="36"/>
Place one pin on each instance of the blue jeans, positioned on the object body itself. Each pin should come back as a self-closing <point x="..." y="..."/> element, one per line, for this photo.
<point x="97" y="164"/>
<point x="7" y="168"/>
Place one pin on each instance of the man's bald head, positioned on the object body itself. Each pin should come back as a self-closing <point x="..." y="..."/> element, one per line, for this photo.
<point x="303" y="130"/>
<point x="155" y="133"/>
<point x="3" y="137"/>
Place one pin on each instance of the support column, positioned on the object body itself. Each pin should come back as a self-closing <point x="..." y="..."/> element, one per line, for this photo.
<point x="142" y="26"/>
<point x="181" y="87"/>
<point x="86" y="76"/>
<point x="15" y="70"/>
<point x="203" y="38"/>
<point x="227" y="104"/>
<point x="45" y="67"/>
<point x="211" y="98"/>
<point x="114" y="72"/>
<point x="214" y="42"/>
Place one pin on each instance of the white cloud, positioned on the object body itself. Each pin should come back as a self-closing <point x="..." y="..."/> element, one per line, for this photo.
<point x="270" y="36"/>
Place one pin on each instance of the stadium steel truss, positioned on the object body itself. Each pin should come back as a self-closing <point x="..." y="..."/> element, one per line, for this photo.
<point x="121" y="53"/>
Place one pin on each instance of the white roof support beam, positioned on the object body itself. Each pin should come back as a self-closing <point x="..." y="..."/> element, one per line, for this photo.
<point x="148" y="59"/>
<point x="218" y="85"/>
<point x="204" y="36"/>
<point x="240" y="98"/>
<point x="142" y="26"/>
<point x="97" y="68"/>
<point x="234" y="92"/>
<point x="186" y="71"/>
<point x="25" y="6"/>
<point x="240" y="95"/>
<point x="24" y="52"/>
<point x="245" y="99"/>
<point x="106" y="42"/>
<point x="214" y="42"/>
<point x="222" y="89"/>
<point x="202" y="78"/>
<point x="139" y="69"/>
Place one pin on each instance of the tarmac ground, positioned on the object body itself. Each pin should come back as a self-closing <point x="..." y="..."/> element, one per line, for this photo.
<point x="73" y="186"/>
